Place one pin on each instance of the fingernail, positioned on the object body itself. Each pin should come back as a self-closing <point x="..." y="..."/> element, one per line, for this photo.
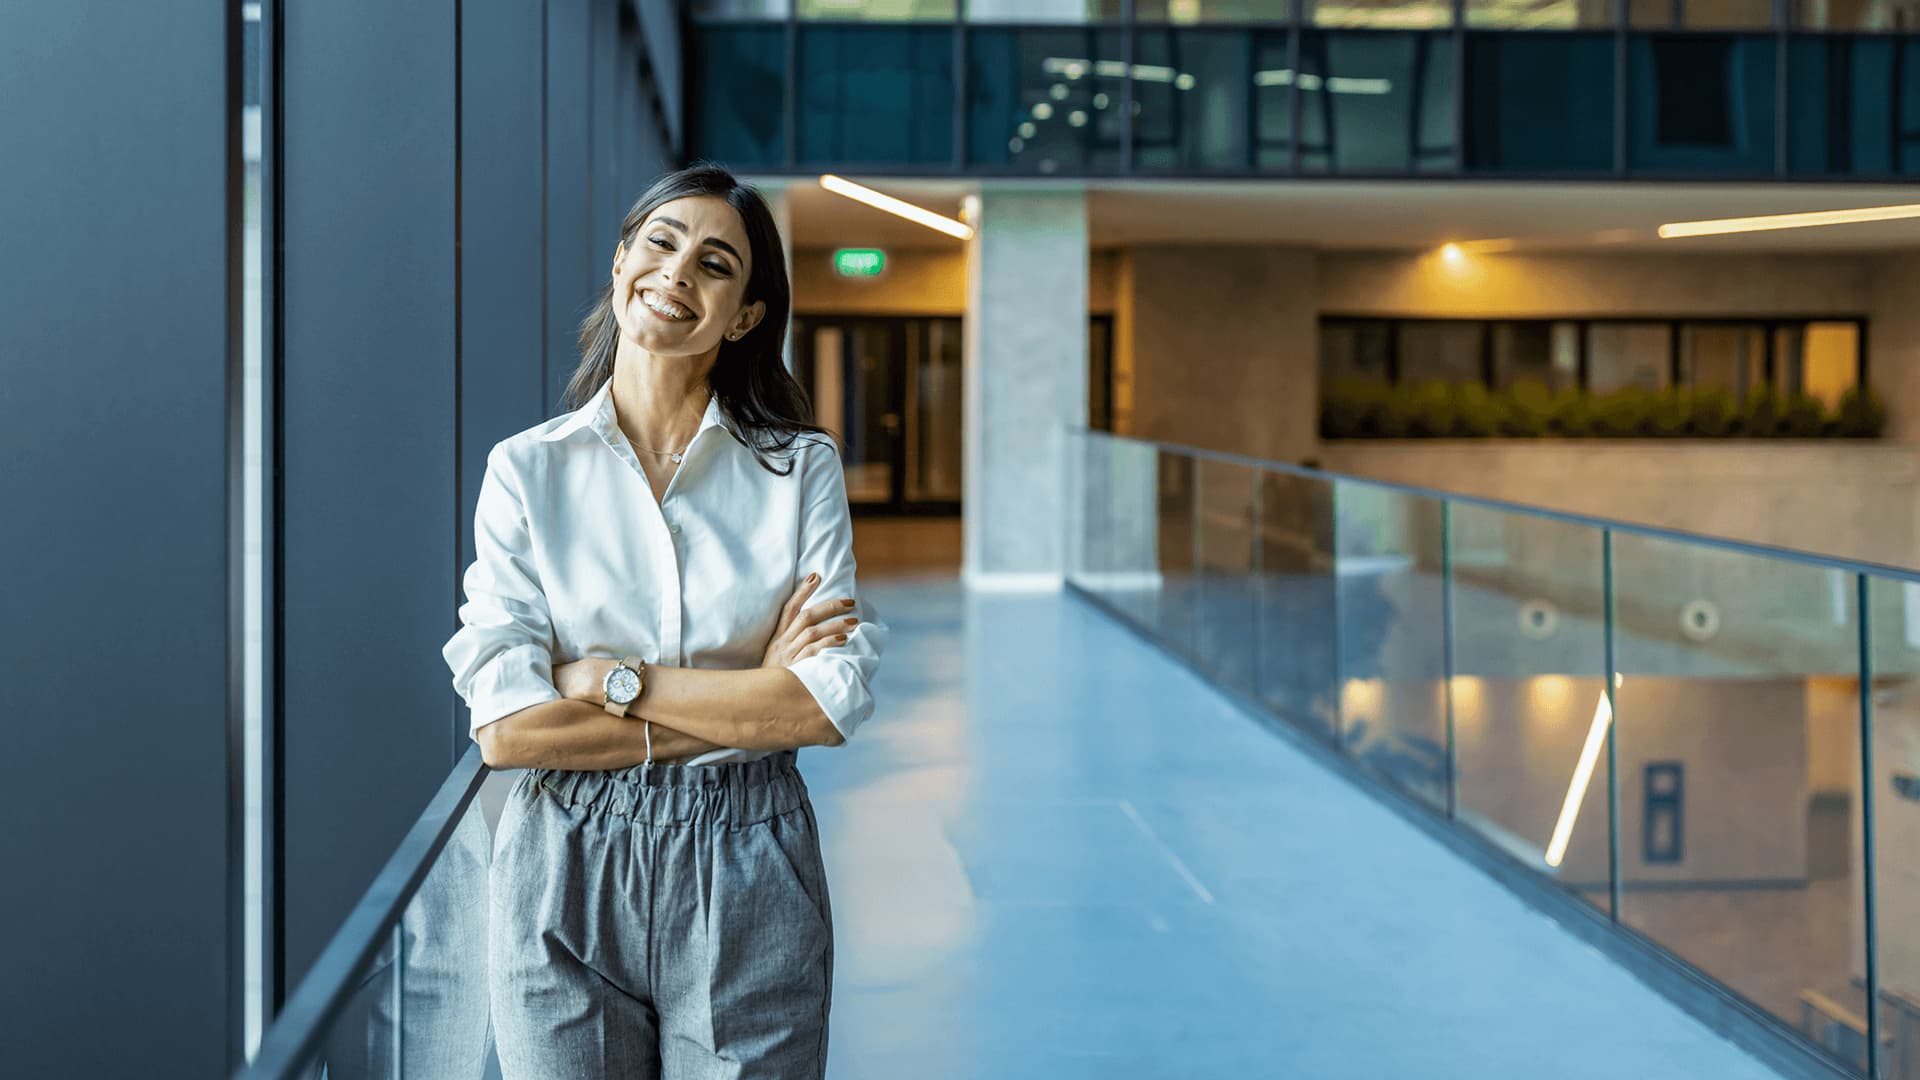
<point x="811" y="578"/>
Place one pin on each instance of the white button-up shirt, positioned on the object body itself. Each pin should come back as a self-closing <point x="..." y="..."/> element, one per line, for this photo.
<point x="574" y="557"/>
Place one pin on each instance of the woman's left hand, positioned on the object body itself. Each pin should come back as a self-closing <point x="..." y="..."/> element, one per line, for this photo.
<point x="584" y="679"/>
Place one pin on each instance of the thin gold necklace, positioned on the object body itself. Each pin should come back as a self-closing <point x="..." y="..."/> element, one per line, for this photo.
<point x="676" y="456"/>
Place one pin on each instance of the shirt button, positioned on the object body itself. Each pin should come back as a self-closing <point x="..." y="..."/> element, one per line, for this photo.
<point x="673" y="527"/>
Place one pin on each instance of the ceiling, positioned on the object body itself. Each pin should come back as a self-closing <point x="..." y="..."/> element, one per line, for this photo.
<point x="1384" y="214"/>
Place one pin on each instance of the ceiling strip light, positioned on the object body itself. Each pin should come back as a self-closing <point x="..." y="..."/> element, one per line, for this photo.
<point x="919" y="215"/>
<point x="1766" y="222"/>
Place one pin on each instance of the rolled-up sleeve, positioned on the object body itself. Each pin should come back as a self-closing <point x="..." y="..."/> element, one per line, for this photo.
<point x="502" y="655"/>
<point x="840" y="677"/>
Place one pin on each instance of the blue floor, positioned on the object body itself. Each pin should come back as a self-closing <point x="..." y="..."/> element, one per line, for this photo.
<point x="1055" y="853"/>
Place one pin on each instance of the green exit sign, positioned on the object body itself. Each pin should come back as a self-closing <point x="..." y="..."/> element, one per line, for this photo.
<point x="859" y="262"/>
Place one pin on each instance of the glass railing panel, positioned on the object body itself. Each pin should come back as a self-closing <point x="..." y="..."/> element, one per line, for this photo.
<point x="739" y="78"/>
<point x="1375" y="101"/>
<point x="1176" y="599"/>
<point x="1895" y="812"/>
<point x="1539" y="103"/>
<point x="1528" y="607"/>
<point x="1297" y="602"/>
<point x="1701" y="103"/>
<point x="1853" y="104"/>
<point x="879" y="10"/>
<point x="1116" y="549"/>
<point x="1737" y="781"/>
<point x="419" y="1008"/>
<point x="1026" y="85"/>
<point x="1392" y="659"/>
<point x="1225" y="601"/>
<point x="874" y="95"/>
<point x="1540" y="14"/>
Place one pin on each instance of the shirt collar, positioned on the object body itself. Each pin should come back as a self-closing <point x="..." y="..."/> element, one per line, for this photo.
<point x="597" y="414"/>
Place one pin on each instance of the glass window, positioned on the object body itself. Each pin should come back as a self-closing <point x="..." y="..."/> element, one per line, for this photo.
<point x="887" y="10"/>
<point x="1622" y="354"/>
<point x="1183" y="12"/>
<point x="1700" y="14"/>
<point x="739" y="78"/>
<point x="1822" y="359"/>
<point x="1543" y="352"/>
<point x="1442" y="352"/>
<point x="741" y="9"/>
<point x="1700" y="103"/>
<point x="1539" y="14"/>
<point x="1356" y="350"/>
<point x="1193" y="92"/>
<point x="1539" y="103"/>
<point x="1042" y="11"/>
<point x="1272" y="106"/>
<point x="1379" y="14"/>
<point x="875" y="95"/>
<point x="1856" y="15"/>
<point x="1375" y="102"/>
<point x="1730" y="357"/>
<point x="1027" y="87"/>
<point x="1853" y="104"/>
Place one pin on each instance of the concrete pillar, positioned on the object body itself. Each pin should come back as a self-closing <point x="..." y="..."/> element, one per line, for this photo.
<point x="1026" y="376"/>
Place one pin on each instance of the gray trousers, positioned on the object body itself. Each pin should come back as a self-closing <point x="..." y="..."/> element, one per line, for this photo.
<point x="661" y="921"/>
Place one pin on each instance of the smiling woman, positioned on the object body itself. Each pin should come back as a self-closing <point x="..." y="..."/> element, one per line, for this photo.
<point x="657" y="619"/>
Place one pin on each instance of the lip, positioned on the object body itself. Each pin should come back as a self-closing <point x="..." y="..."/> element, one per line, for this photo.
<point x="693" y="313"/>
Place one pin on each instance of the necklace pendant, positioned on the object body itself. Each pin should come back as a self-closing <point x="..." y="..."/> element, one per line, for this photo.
<point x="676" y="459"/>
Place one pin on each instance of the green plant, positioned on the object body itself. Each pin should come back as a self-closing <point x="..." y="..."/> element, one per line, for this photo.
<point x="1477" y="412"/>
<point x="1573" y="414"/>
<point x="1430" y="410"/>
<point x="1714" y="414"/>
<point x="1862" y="415"/>
<point x="1670" y="414"/>
<point x="1622" y="414"/>
<point x="1344" y="407"/>
<point x="1530" y="409"/>
<point x="1804" y="417"/>
<point x="1759" y="414"/>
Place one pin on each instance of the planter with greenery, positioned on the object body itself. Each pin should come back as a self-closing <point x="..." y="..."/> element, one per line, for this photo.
<point x="1437" y="410"/>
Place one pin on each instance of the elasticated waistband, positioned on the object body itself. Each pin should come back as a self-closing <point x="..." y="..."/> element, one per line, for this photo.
<point x="735" y="793"/>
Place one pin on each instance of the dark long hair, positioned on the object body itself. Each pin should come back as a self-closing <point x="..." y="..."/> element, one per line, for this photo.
<point x="758" y="396"/>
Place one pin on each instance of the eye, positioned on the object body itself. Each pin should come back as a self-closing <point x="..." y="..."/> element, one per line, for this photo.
<point x="660" y="242"/>
<point x="718" y="267"/>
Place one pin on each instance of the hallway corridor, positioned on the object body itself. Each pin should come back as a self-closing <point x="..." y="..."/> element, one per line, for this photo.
<point x="1054" y="853"/>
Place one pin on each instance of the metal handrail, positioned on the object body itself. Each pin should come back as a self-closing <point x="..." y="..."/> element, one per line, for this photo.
<point x="1657" y="532"/>
<point x="295" y="1034"/>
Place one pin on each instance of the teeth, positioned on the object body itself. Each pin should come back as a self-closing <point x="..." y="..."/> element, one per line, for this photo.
<point x="665" y="307"/>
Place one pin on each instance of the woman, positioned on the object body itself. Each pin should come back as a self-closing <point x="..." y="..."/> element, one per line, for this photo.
<point x="637" y="637"/>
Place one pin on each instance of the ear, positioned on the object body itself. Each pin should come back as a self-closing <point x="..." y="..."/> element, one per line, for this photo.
<point x="748" y="318"/>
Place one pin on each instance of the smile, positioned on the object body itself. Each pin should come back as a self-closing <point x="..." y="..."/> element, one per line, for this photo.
<point x="665" y="308"/>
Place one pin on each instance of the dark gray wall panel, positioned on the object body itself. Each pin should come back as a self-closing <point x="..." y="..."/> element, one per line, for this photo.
<point x="661" y="43"/>
<point x="571" y="265"/>
<point x="502" y="309"/>
<point x="114" y="915"/>
<point x="610" y="197"/>
<point x="368" y="393"/>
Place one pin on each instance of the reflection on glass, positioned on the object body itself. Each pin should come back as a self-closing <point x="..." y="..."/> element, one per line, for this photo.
<point x="1392" y="653"/>
<point x="933" y="409"/>
<point x="1529" y="692"/>
<point x="1117" y="529"/>
<point x="1539" y="103"/>
<point x="852" y="362"/>
<point x="741" y="9"/>
<point x="1895" y="607"/>
<point x="1298" y="602"/>
<point x="1374" y="102"/>
<point x="253" y="498"/>
<point x="1826" y="362"/>
<point x="1379" y="14"/>
<point x="739" y="77"/>
<point x="1043" y="11"/>
<point x="889" y="10"/>
<point x="1738" y="769"/>
<point x="1176" y="601"/>
<point x="1181" y="12"/>
<point x="1730" y="357"/>
<point x="1700" y="14"/>
<point x="1194" y="89"/>
<point x="1442" y="351"/>
<point x="1623" y="354"/>
<point x="1272" y="102"/>
<point x="1855" y="15"/>
<point x="1356" y="350"/>
<point x="1539" y="14"/>
<point x="420" y="1009"/>
<point x="1843" y="113"/>
<point x="1547" y="353"/>
<point x="1700" y="103"/>
<point x="1224" y="639"/>
<point x="1046" y="101"/>
<point x="872" y="94"/>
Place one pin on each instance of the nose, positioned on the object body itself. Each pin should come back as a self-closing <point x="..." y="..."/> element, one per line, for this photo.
<point x="675" y="268"/>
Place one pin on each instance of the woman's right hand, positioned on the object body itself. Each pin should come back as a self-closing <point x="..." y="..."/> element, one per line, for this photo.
<point x="804" y="630"/>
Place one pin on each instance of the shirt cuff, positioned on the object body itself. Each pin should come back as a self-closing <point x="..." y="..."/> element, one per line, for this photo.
<point x="835" y="683"/>
<point x="517" y="679"/>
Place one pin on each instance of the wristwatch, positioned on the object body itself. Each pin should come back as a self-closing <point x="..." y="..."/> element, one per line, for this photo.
<point x="622" y="685"/>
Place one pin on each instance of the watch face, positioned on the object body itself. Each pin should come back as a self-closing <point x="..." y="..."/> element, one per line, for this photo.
<point x="623" y="685"/>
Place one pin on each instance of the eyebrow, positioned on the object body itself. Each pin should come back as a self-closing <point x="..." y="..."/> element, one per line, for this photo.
<point x="721" y="244"/>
